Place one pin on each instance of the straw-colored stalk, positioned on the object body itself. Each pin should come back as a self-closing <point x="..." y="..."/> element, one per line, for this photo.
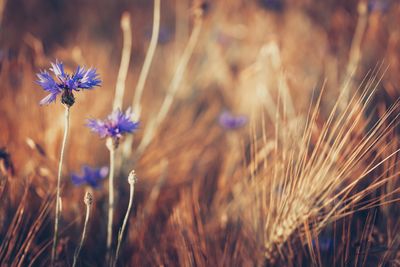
<point x="313" y="176"/>
<point x="131" y="181"/>
<point x="58" y="197"/>
<point x="136" y="107"/>
<point x="88" y="200"/>
<point x="125" y="58"/>
<point x="174" y="86"/>
<point x="111" y="145"/>
<point x="355" y="51"/>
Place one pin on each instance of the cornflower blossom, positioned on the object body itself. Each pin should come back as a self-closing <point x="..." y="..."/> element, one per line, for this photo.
<point x="379" y="5"/>
<point x="90" y="176"/>
<point x="115" y="125"/>
<point x="231" y="122"/>
<point x="65" y="84"/>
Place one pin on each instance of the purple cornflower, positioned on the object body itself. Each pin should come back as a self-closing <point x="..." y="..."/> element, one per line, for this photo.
<point x="325" y="243"/>
<point x="90" y="176"/>
<point x="231" y="122"/>
<point x="274" y="5"/>
<point x="65" y="83"/>
<point x="115" y="125"/>
<point x="164" y="35"/>
<point x="379" y="5"/>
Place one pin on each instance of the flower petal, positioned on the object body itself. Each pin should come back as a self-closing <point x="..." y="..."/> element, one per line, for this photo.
<point x="98" y="127"/>
<point x="58" y="70"/>
<point x="86" y="79"/>
<point x="49" y="98"/>
<point x="47" y="82"/>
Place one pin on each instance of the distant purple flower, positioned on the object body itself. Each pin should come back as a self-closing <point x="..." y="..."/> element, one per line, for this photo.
<point x="325" y="243"/>
<point x="115" y="125"/>
<point x="66" y="83"/>
<point x="90" y="176"/>
<point x="231" y="122"/>
<point x="274" y="5"/>
<point x="164" y="35"/>
<point x="379" y="5"/>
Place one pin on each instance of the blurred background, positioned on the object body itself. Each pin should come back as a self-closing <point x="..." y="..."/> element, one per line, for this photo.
<point x="247" y="55"/>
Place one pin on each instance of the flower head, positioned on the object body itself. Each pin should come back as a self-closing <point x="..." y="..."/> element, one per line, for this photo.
<point x="90" y="176"/>
<point x="231" y="122"/>
<point x="325" y="243"/>
<point x="274" y="5"/>
<point x="66" y="83"/>
<point x="379" y="5"/>
<point x="115" y="125"/>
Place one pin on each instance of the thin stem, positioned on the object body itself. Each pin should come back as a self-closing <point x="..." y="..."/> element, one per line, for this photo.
<point x="58" y="198"/>
<point x="150" y="130"/>
<point x="147" y="61"/>
<point x="111" y="147"/>
<point x="355" y="50"/>
<point x="88" y="202"/>
<point x="136" y="107"/>
<point x="131" y="181"/>
<point x="125" y="58"/>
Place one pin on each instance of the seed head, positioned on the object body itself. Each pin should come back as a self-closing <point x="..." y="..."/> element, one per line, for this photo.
<point x="88" y="199"/>
<point x="132" y="177"/>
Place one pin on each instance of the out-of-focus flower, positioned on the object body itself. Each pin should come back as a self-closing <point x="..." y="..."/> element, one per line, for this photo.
<point x="164" y="35"/>
<point x="274" y="5"/>
<point x="378" y="5"/>
<point x="90" y="176"/>
<point x="231" y="122"/>
<point x="66" y="83"/>
<point x="115" y="125"/>
<point x="325" y="243"/>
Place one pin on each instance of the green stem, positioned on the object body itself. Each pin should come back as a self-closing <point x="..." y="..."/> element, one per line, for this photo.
<point x="58" y="198"/>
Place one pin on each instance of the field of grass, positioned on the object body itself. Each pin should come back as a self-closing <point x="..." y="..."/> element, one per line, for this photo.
<point x="258" y="133"/>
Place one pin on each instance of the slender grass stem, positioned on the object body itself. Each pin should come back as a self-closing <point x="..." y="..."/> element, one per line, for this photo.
<point x="131" y="181"/>
<point x="136" y="107"/>
<point x="111" y="146"/>
<point x="355" y="52"/>
<point x="147" y="61"/>
<point x="88" y="202"/>
<point x="125" y="58"/>
<point x="58" y="198"/>
<point x="174" y="86"/>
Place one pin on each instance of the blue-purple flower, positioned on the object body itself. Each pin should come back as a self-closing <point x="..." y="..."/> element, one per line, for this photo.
<point x="274" y="5"/>
<point x="324" y="243"/>
<point x="115" y="125"/>
<point x="66" y="83"/>
<point x="379" y="5"/>
<point x="164" y="35"/>
<point x="231" y="122"/>
<point x="90" y="176"/>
